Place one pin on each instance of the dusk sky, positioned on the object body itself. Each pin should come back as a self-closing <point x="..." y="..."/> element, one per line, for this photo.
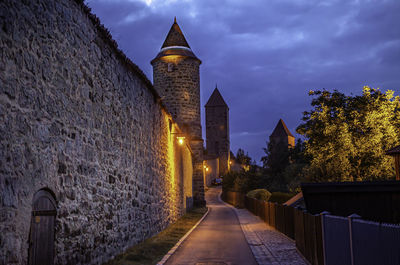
<point x="266" y="55"/>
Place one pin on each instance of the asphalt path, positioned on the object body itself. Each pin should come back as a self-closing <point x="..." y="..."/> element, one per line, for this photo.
<point x="217" y="240"/>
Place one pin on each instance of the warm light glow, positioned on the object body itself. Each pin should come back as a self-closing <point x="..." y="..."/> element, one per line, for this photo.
<point x="206" y="168"/>
<point x="230" y="162"/>
<point x="181" y="139"/>
<point x="175" y="59"/>
<point x="171" y="187"/>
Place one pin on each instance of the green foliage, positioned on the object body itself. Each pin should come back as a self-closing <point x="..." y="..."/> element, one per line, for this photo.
<point x="243" y="158"/>
<point x="293" y="175"/>
<point x="243" y="181"/>
<point x="259" y="194"/>
<point x="277" y="158"/>
<point x="283" y="168"/>
<point x="229" y="181"/>
<point x="347" y="136"/>
<point x="280" y="197"/>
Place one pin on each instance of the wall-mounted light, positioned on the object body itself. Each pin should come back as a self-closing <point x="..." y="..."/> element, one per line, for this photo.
<point x="181" y="139"/>
<point x="206" y="168"/>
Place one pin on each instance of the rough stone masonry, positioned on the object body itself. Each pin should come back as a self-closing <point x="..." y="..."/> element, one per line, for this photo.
<point x="81" y="122"/>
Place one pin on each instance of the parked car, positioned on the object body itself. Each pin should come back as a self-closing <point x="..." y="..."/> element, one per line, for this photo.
<point x="217" y="181"/>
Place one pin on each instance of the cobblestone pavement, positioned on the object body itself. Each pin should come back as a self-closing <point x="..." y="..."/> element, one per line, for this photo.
<point x="268" y="245"/>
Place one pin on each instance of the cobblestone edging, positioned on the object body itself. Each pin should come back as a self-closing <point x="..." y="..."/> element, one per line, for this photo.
<point x="177" y="245"/>
<point x="269" y="247"/>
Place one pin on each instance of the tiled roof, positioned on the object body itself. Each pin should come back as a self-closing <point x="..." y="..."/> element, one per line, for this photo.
<point x="216" y="99"/>
<point x="393" y="151"/>
<point x="281" y="130"/>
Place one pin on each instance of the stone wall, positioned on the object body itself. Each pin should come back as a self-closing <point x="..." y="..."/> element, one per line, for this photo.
<point x="78" y="118"/>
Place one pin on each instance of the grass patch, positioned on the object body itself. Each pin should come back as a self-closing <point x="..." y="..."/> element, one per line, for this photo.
<point x="153" y="249"/>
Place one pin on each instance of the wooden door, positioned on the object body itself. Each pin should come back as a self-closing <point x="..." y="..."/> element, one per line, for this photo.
<point x="41" y="238"/>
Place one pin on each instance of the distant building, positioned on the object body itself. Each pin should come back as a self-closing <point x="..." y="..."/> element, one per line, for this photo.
<point x="281" y="136"/>
<point x="217" y="130"/>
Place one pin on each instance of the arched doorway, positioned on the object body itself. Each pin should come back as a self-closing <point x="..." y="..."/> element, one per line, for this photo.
<point x="41" y="237"/>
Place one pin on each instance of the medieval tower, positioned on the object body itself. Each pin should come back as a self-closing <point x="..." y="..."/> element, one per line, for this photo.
<point x="217" y="130"/>
<point x="177" y="80"/>
<point x="281" y="137"/>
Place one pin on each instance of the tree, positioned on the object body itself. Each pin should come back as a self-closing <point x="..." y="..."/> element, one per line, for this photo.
<point x="347" y="136"/>
<point x="243" y="158"/>
<point x="283" y="166"/>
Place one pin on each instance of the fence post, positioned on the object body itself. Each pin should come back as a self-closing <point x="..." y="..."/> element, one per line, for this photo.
<point x="351" y="218"/>
<point x="323" y="233"/>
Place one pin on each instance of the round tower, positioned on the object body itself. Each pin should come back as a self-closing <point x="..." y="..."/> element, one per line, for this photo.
<point x="176" y="78"/>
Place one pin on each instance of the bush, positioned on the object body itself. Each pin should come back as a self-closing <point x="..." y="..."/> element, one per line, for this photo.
<point x="229" y="181"/>
<point x="259" y="194"/>
<point x="280" y="197"/>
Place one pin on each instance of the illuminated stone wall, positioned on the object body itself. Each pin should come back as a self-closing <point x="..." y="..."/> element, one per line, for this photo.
<point x="177" y="80"/>
<point x="80" y="119"/>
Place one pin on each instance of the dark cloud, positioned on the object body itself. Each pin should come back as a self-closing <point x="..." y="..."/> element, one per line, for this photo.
<point x="266" y="55"/>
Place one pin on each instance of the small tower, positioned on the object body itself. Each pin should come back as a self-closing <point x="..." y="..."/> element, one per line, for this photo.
<point x="281" y="136"/>
<point x="217" y="130"/>
<point x="177" y="80"/>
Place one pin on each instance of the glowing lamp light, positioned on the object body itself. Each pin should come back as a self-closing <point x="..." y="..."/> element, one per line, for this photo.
<point x="206" y="168"/>
<point x="230" y="162"/>
<point x="181" y="139"/>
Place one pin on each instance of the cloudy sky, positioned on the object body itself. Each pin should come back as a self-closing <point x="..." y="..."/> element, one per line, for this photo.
<point x="265" y="55"/>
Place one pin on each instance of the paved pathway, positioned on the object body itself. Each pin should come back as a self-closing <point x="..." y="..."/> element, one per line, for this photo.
<point x="234" y="236"/>
<point x="268" y="245"/>
<point x="217" y="240"/>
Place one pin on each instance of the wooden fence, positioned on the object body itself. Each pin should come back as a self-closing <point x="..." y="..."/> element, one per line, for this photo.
<point x="304" y="228"/>
<point x="328" y="239"/>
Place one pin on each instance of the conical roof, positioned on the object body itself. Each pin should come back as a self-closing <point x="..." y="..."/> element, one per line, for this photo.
<point x="175" y="37"/>
<point x="175" y="44"/>
<point x="216" y="99"/>
<point x="281" y="130"/>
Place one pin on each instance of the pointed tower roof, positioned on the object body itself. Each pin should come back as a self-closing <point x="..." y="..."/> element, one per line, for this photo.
<point x="216" y="99"/>
<point x="175" y="37"/>
<point x="281" y="130"/>
<point x="175" y="44"/>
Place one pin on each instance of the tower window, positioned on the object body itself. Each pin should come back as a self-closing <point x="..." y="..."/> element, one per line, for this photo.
<point x="170" y="67"/>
